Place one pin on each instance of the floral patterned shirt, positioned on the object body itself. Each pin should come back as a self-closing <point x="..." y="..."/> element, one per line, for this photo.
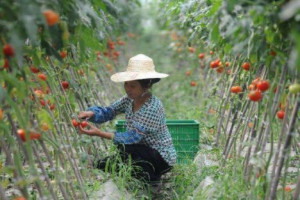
<point x="144" y="126"/>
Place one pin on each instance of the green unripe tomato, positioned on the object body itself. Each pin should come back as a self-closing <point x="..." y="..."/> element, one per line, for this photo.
<point x="294" y="88"/>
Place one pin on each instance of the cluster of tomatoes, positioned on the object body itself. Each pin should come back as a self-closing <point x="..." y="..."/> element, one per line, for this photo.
<point x="32" y="135"/>
<point x="256" y="88"/>
<point x="77" y="123"/>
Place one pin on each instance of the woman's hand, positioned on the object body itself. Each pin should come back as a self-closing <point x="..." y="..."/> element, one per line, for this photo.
<point x="85" y="114"/>
<point x="89" y="130"/>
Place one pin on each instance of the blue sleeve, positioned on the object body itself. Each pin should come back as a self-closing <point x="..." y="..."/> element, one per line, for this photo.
<point x="101" y="114"/>
<point x="133" y="136"/>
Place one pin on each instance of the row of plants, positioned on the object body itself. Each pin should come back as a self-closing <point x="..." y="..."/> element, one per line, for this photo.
<point x="56" y="60"/>
<point x="246" y="55"/>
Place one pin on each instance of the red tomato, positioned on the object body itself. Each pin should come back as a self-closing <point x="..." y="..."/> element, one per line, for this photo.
<point x="188" y="73"/>
<point x="34" y="136"/>
<point x="75" y="123"/>
<point x="63" y="54"/>
<point x="83" y="124"/>
<point x="280" y="114"/>
<point x="8" y="50"/>
<point x="255" y="95"/>
<point x="246" y="66"/>
<point x="42" y="76"/>
<point x="211" y="52"/>
<point x="220" y="70"/>
<point x="6" y="63"/>
<point x="51" y="17"/>
<point x="255" y="81"/>
<point x="201" y="55"/>
<point x="236" y="89"/>
<point x="34" y="69"/>
<point x="20" y="198"/>
<point x="21" y="133"/>
<point x="227" y="64"/>
<point x="263" y="85"/>
<point x="273" y="53"/>
<point x="251" y="87"/>
<point x="193" y="83"/>
<point x="65" y="84"/>
<point x="52" y="107"/>
<point x="42" y="102"/>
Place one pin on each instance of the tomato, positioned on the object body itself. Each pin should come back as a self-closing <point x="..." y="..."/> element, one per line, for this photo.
<point x="45" y="127"/>
<point x="116" y="53"/>
<point x="263" y="85"/>
<point x="83" y="124"/>
<point x="191" y="49"/>
<point x="215" y="63"/>
<point x="251" y="87"/>
<point x="255" y="81"/>
<point x="6" y="63"/>
<point x="255" y="95"/>
<point x="280" y="114"/>
<point x="273" y="53"/>
<point x="201" y="55"/>
<point x="211" y="52"/>
<point x="63" y="54"/>
<point x="51" y="17"/>
<point x="246" y="66"/>
<point x="120" y="42"/>
<point x="21" y="133"/>
<point x="188" y="73"/>
<point x="236" y="89"/>
<point x="294" y="88"/>
<point x="75" y="123"/>
<point x="227" y="64"/>
<point x="39" y="93"/>
<point x="220" y="69"/>
<point x="20" y="198"/>
<point x="52" y="107"/>
<point x="1" y="114"/>
<point x="34" y="136"/>
<point x="34" y="69"/>
<point x="42" y="102"/>
<point x="8" y="50"/>
<point x="193" y="83"/>
<point x="65" y="84"/>
<point x="287" y="188"/>
<point x="42" y="76"/>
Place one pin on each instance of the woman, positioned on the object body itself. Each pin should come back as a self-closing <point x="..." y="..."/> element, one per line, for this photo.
<point x="147" y="139"/>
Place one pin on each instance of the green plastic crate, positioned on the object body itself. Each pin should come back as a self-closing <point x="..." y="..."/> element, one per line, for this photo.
<point x="185" y="136"/>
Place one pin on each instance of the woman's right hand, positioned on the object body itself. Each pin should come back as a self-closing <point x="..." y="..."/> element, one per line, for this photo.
<point x="85" y="115"/>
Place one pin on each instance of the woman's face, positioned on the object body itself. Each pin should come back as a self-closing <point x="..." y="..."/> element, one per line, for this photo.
<point x="133" y="89"/>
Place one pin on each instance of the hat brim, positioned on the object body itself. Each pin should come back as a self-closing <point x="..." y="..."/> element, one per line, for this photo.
<point x="131" y="76"/>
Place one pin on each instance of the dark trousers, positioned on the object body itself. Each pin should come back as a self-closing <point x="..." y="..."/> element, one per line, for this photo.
<point x="147" y="162"/>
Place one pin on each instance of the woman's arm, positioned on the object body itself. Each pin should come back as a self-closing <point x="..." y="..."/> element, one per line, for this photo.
<point x="129" y="137"/>
<point x="94" y="131"/>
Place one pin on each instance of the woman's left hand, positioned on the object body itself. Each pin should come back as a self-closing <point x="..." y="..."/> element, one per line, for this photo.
<point x="89" y="129"/>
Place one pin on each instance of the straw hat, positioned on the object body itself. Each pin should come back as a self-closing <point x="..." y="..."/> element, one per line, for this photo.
<point x="139" y="67"/>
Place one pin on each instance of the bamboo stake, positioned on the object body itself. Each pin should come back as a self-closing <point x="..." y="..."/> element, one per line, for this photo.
<point x="44" y="172"/>
<point x="222" y="113"/>
<point x="285" y="149"/>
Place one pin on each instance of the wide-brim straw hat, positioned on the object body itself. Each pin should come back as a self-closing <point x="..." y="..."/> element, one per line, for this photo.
<point x="139" y="67"/>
